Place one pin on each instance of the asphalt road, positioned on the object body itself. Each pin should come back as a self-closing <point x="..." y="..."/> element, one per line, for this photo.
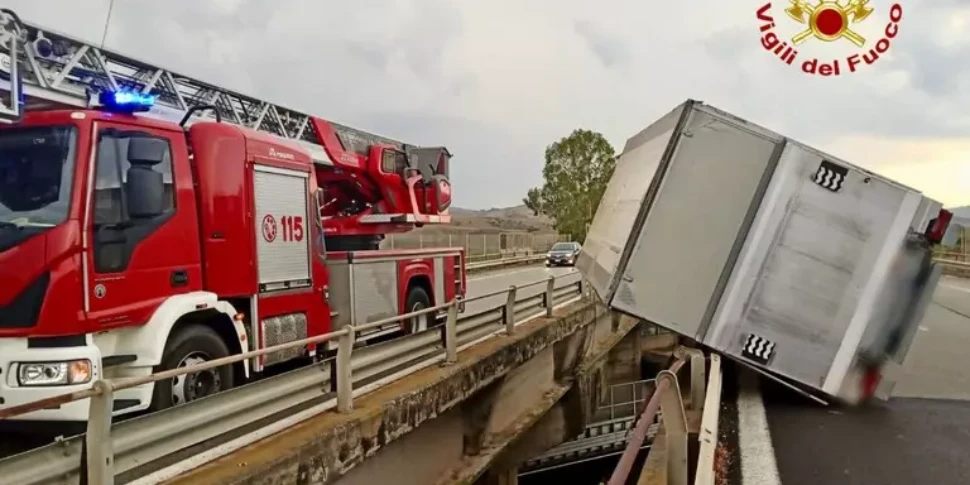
<point x="482" y="283"/>
<point x="920" y="436"/>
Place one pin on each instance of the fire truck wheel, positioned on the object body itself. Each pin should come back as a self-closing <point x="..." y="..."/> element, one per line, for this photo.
<point x="417" y="299"/>
<point x="191" y="345"/>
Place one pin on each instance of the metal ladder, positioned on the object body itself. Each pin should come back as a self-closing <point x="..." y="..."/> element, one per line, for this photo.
<point x="60" y="71"/>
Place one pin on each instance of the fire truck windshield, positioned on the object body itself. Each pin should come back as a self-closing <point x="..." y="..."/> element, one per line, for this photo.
<point x="36" y="169"/>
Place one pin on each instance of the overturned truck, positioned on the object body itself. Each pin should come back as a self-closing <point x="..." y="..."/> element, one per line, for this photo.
<point x="793" y="262"/>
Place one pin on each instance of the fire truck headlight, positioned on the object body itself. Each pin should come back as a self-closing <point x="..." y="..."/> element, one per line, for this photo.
<point x="54" y="373"/>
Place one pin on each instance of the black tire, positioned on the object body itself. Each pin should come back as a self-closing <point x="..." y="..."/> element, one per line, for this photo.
<point x="190" y="345"/>
<point x="417" y="299"/>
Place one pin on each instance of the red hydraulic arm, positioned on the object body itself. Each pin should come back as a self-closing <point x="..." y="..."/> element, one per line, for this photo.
<point x="373" y="185"/>
<point x="378" y="186"/>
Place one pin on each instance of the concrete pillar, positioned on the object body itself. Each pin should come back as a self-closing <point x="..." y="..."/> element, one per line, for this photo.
<point x="508" y="477"/>
<point x="504" y="477"/>
<point x="624" y="360"/>
<point x="555" y="427"/>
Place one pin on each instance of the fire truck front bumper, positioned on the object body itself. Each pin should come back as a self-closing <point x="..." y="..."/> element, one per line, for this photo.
<point x="29" y="373"/>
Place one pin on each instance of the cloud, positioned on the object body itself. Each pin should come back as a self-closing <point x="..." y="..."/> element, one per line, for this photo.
<point x="497" y="81"/>
<point x="610" y="51"/>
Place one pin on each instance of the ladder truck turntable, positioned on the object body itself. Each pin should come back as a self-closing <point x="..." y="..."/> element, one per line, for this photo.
<point x="150" y="221"/>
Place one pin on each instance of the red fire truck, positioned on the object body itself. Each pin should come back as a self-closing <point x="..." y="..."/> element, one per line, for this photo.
<point x="131" y="243"/>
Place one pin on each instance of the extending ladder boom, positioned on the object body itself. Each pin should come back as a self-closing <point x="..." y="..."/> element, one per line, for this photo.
<point x="60" y="71"/>
<point x="365" y="197"/>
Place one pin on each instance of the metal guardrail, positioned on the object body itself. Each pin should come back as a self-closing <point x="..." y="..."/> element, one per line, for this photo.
<point x="706" y="472"/>
<point x="950" y="262"/>
<point x="951" y="255"/>
<point x="534" y="258"/>
<point x="954" y="267"/>
<point x="622" y="407"/>
<point x="607" y="432"/>
<point x="109" y="449"/>
<point x="515" y="253"/>
<point x="666" y="403"/>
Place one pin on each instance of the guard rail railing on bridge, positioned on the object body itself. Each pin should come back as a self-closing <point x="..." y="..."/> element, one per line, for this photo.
<point x="954" y="262"/>
<point x="665" y="406"/>
<point x="605" y="435"/>
<point x="507" y="260"/>
<point x="156" y="446"/>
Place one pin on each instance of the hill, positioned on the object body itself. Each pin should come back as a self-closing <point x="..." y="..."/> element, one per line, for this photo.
<point x="495" y="220"/>
<point x="961" y="216"/>
<point x="961" y="212"/>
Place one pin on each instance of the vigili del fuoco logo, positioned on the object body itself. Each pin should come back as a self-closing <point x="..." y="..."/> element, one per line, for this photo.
<point x="847" y="24"/>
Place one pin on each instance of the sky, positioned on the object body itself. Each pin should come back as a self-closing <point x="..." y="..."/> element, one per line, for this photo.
<point x="498" y="80"/>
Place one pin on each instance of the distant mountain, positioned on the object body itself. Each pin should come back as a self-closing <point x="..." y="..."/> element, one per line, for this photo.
<point x="520" y="219"/>
<point x="961" y="212"/>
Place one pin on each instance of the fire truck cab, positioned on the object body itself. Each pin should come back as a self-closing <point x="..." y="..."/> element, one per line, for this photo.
<point x="131" y="244"/>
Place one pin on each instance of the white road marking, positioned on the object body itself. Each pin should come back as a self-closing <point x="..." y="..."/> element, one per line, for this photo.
<point x="758" y="465"/>
<point x="955" y="287"/>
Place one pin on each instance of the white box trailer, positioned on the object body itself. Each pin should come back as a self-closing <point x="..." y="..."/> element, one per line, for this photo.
<point x="789" y="260"/>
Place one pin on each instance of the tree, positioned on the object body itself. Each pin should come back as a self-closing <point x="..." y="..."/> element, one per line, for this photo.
<point x="576" y="172"/>
<point x="533" y="201"/>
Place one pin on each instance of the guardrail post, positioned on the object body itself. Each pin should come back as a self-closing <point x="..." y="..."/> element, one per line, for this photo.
<point x="100" y="450"/>
<point x="451" y="334"/>
<point x="550" y="295"/>
<point x="509" y="312"/>
<point x="709" y="422"/>
<point x="698" y="378"/>
<point x="675" y="426"/>
<point x="345" y="390"/>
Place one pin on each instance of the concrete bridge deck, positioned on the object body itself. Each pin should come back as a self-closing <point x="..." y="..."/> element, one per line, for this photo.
<point x="505" y="400"/>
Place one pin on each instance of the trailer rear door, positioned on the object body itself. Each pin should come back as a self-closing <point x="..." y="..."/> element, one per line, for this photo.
<point x="622" y="201"/>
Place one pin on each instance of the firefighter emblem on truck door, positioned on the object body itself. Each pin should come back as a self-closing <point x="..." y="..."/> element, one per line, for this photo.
<point x="100" y="291"/>
<point x="269" y="228"/>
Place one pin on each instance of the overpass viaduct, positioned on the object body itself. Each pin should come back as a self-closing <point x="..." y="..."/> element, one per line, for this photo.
<point x="503" y="401"/>
<point x="515" y="387"/>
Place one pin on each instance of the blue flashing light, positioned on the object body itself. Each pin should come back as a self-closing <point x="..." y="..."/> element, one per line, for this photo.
<point x="126" y="101"/>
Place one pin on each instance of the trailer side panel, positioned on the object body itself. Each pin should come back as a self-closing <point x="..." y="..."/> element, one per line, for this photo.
<point x="807" y="263"/>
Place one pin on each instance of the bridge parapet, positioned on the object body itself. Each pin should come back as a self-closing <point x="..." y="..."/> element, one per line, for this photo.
<point x="450" y="421"/>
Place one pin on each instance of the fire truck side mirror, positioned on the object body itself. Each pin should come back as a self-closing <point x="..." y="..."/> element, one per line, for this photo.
<point x="11" y="81"/>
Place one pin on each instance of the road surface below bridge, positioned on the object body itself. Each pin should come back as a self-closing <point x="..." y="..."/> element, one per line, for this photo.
<point x="920" y="436"/>
<point x="478" y="284"/>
